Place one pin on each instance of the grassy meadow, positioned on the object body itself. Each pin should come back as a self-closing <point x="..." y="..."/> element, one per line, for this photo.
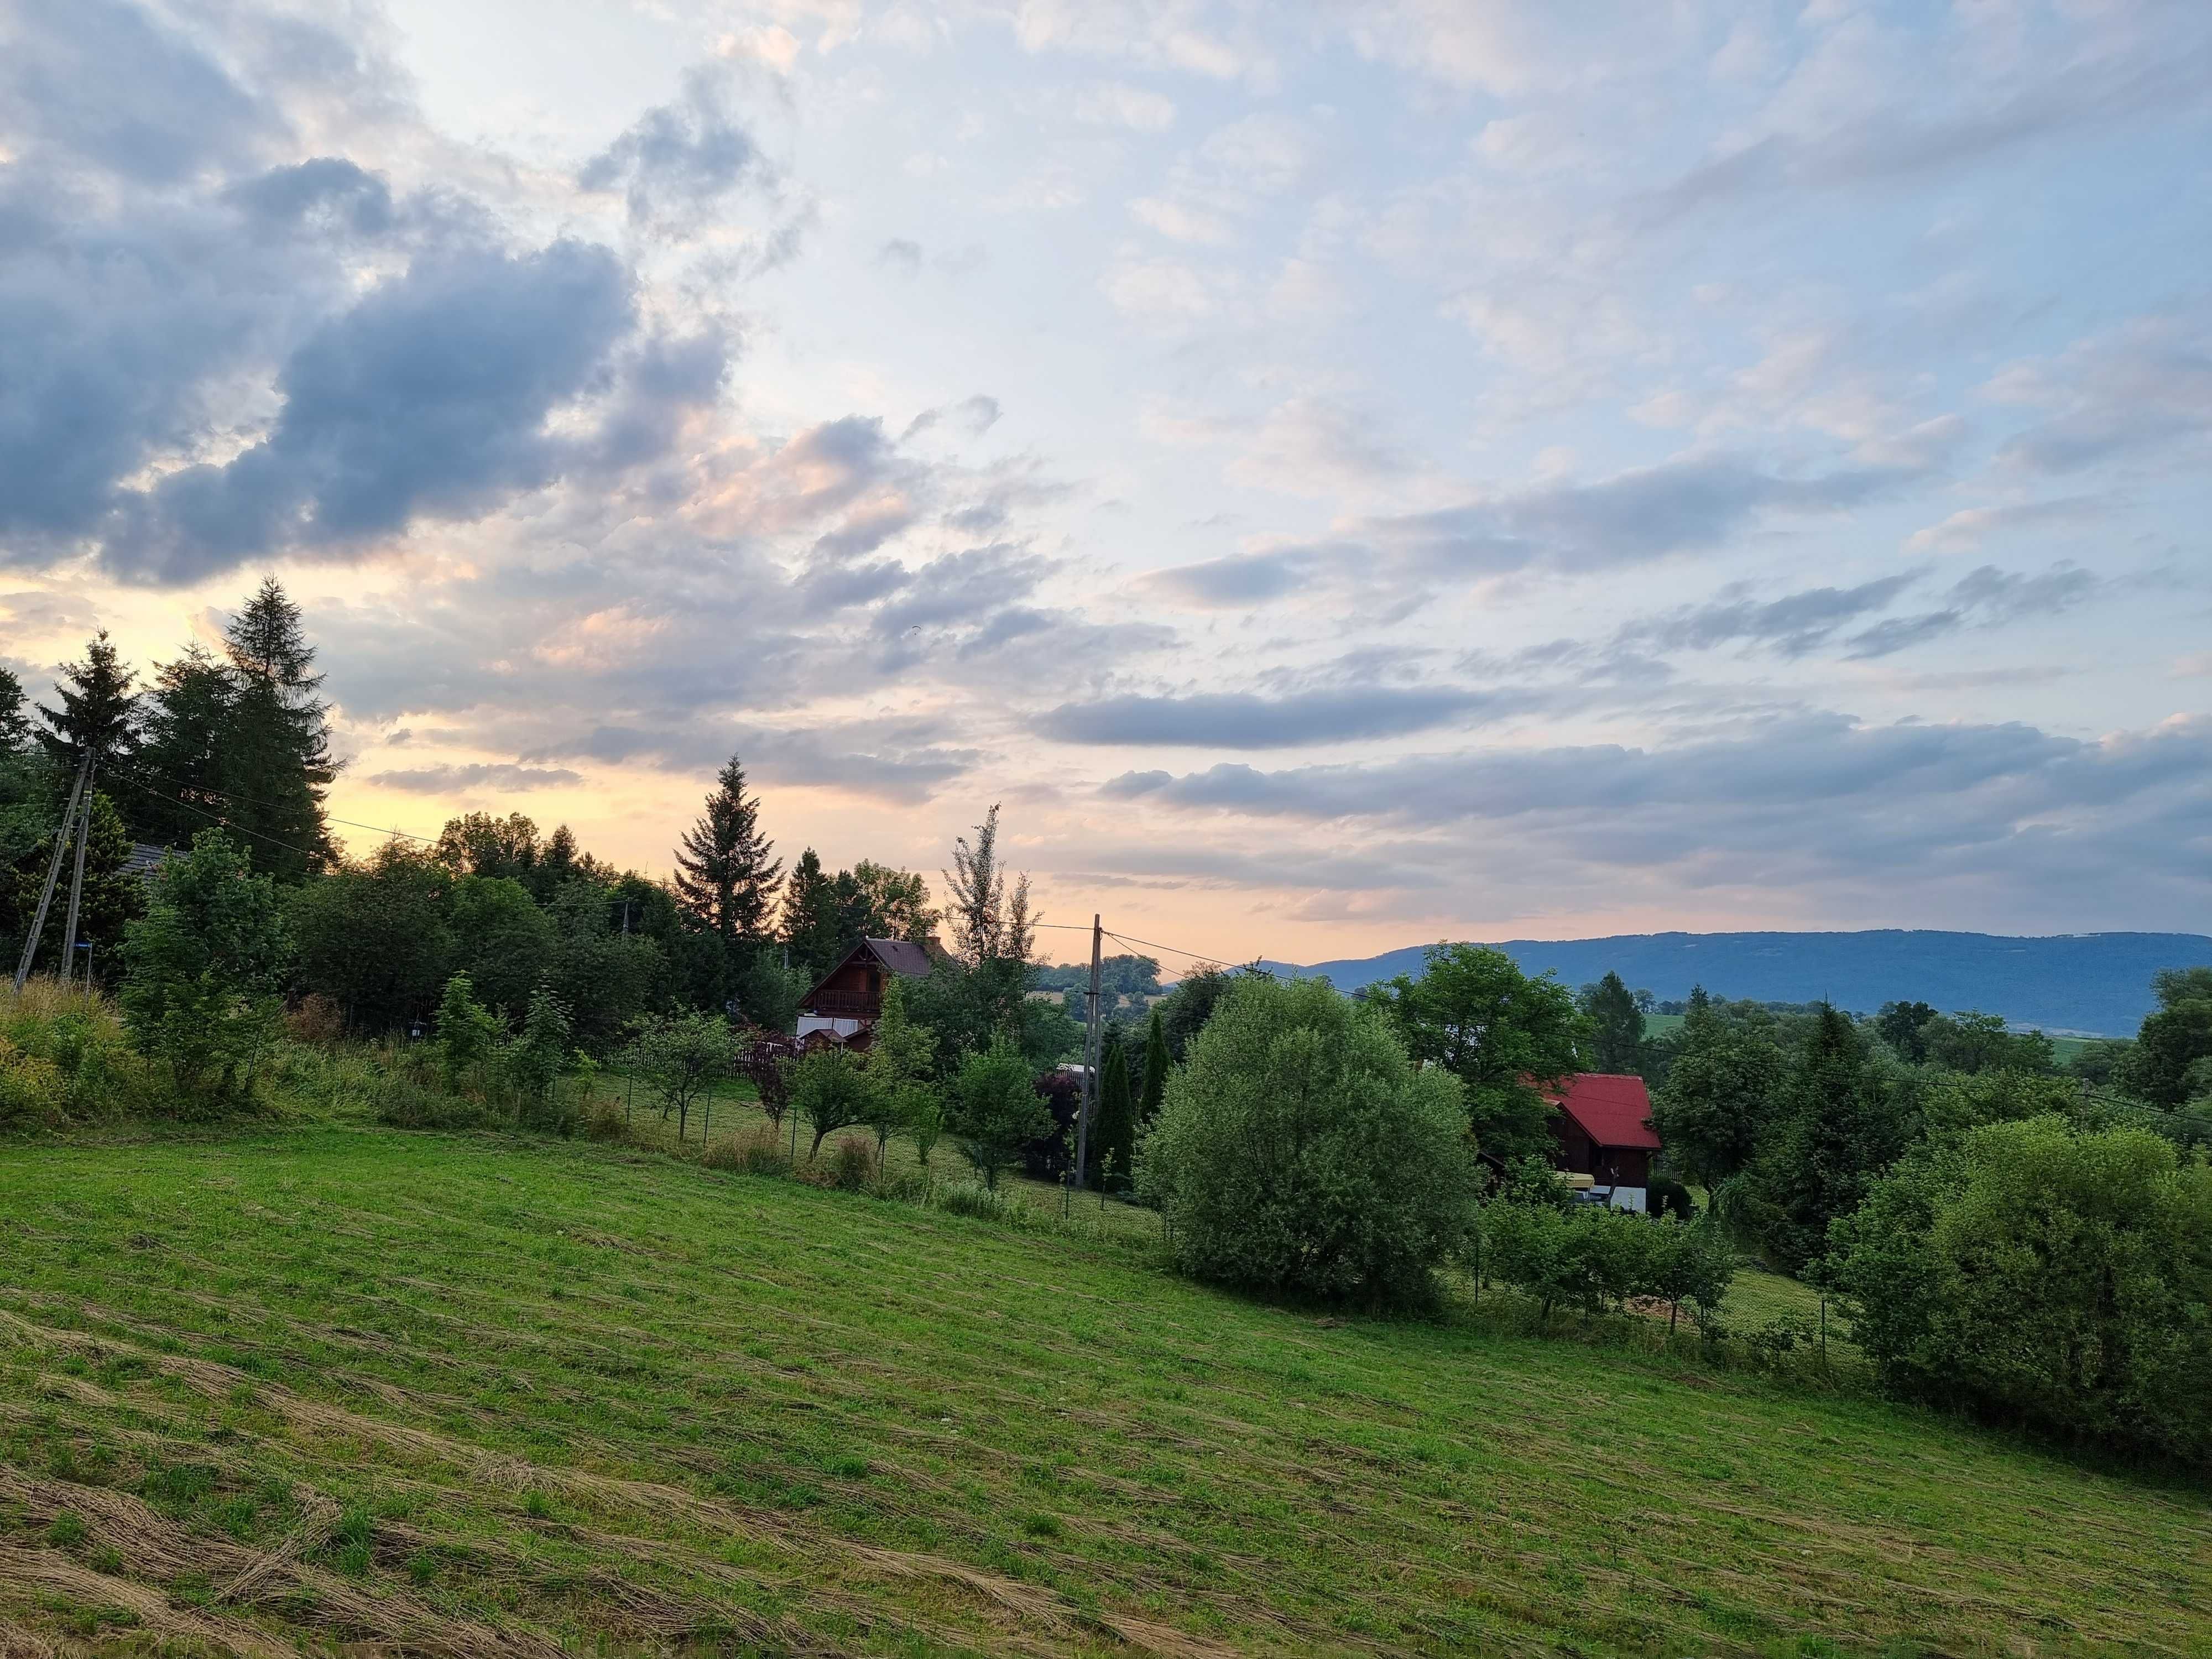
<point x="469" y="1395"/>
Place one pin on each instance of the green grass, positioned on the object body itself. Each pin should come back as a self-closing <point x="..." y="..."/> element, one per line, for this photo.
<point x="476" y="1394"/>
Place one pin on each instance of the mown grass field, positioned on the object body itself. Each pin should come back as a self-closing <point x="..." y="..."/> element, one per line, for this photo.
<point x="469" y="1395"/>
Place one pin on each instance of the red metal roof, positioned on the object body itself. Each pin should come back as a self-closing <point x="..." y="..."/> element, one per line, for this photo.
<point x="1613" y="1111"/>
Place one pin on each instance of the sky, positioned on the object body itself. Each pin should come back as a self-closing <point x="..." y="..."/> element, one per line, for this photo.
<point x="1338" y="476"/>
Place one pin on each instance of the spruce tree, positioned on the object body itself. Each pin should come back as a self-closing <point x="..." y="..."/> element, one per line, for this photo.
<point x="1117" y="1116"/>
<point x="1156" y="1072"/>
<point x="724" y="879"/>
<point x="182" y="749"/>
<point x="14" y="725"/>
<point x="810" y="924"/>
<point x="99" y="710"/>
<point x="276" y="758"/>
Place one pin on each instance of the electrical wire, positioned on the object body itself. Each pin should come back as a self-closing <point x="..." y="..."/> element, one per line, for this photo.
<point x="248" y="800"/>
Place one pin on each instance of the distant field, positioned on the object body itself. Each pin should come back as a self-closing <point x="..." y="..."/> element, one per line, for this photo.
<point x="468" y="1396"/>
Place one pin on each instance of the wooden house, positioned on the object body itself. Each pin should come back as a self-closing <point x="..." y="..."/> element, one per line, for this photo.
<point x="1603" y="1130"/>
<point x="847" y="1001"/>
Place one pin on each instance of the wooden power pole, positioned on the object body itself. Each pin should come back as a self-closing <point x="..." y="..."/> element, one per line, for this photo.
<point x="53" y="875"/>
<point x="77" y="888"/>
<point x="1090" y="1064"/>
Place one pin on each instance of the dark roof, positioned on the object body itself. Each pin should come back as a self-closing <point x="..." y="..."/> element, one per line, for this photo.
<point x="146" y="858"/>
<point x="1613" y="1111"/>
<point x="901" y="955"/>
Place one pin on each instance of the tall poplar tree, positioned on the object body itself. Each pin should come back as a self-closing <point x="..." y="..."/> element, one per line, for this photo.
<point x="724" y="880"/>
<point x="1117" y="1116"/>
<point x="275" y="762"/>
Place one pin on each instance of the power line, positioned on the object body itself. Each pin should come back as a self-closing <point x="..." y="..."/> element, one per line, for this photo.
<point x="217" y="818"/>
<point x="248" y="800"/>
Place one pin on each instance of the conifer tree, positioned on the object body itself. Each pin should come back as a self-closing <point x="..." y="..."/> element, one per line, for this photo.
<point x="1117" y="1116"/>
<point x="811" y="925"/>
<point x="276" y="753"/>
<point x="988" y="926"/>
<point x="99" y="709"/>
<point x="1155" y="1086"/>
<point x="724" y="880"/>
<point x="14" y="725"/>
<point x="182" y="748"/>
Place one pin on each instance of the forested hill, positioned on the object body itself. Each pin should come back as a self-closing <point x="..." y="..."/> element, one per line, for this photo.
<point x="2089" y="982"/>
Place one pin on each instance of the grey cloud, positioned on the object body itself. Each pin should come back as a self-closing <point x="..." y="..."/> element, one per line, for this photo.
<point x="429" y="397"/>
<point x="447" y="780"/>
<point x="1238" y="579"/>
<point x="1811" y="801"/>
<point x="1985" y="597"/>
<point x="329" y="187"/>
<point x="902" y="255"/>
<point x="1232" y="721"/>
<point x="1690" y="503"/>
<point x="680" y="160"/>
<point x="2132" y="393"/>
<point x="113" y="85"/>
<point x="1794" y="624"/>
<point x="902" y="761"/>
<point x="1894" y="145"/>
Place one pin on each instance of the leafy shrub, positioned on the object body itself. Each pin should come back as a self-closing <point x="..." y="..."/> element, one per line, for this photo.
<point x="1299" y="1150"/>
<point x="1588" y="1256"/>
<point x="34" y="1093"/>
<point x="317" y="1019"/>
<point x="2035" y="1271"/>
<point x="830" y="1090"/>
<point x="913" y="1187"/>
<point x="853" y="1168"/>
<point x="200" y="992"/>
<point x="996" y="1110"/>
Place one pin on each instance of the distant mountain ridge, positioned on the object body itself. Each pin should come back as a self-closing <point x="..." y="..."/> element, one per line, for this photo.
<point x="2093" y="984"/>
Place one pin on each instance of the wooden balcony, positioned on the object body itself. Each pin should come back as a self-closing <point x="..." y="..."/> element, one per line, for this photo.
<point x="845" y="1005"/>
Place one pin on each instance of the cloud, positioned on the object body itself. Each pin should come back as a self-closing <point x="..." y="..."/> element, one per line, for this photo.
<point x="1819" y="801"/>
<point x="1793" y="625"/>
<point x="1240" y="720"/>
<point x="900" y="254"/>
<point x="429" y="397"/>
<point x="1693" y="503"/>
<point x="2139" y="392"/>
<point x="1969" y="527"/>
<point x="680" y="162"/>
<point x="454" y="780"/>
<point x="1987" y="598"/>
<point x="1236" y="581"/>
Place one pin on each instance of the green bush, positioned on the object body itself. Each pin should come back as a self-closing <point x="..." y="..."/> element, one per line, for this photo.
<point x="2037" y="1273"/>
<point x="34" y="1093"/>
<point x="1299" y="1151"/>
<point x="996" y="1110"/>
<point x="406" y="1103"/>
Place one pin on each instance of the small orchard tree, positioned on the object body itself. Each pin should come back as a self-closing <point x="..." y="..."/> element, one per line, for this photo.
<point x="203" y="967"/>
<point x="830" y="1090"/>
<point x="468" y="1033"/>
<point x="1688" y="1262"/>
<point x="901" y="1057"/>
<point x="535" y="1060"/>
<point x="680" y="1057"/>
<point x="1299" y="1150"/>
<point x="996" y="1109"/>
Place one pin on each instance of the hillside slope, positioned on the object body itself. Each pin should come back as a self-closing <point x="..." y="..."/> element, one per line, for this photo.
<point x="2097" y="983"/>
<point x="471" y="1395"/>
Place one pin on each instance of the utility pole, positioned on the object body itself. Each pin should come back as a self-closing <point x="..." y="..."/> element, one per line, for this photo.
<point x="77" y="887"/>
<point x="1089" y="1063"/>
<point x="53" y="875"/>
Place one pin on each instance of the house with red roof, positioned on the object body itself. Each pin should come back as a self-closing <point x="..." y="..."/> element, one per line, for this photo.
<point x="1603" y="1128"/>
